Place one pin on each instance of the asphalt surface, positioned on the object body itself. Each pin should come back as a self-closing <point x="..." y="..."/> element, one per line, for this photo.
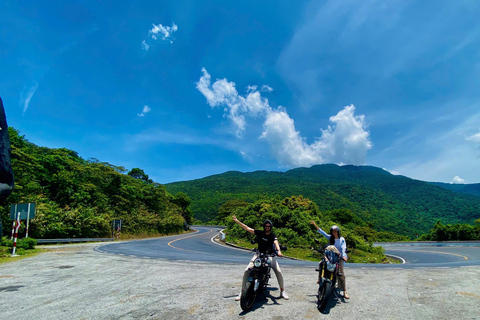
<point x="199" y="247"/>
<point x="91" y="281"/>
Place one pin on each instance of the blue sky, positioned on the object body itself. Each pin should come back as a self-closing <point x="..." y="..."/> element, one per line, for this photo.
<point x="185" y="89"/>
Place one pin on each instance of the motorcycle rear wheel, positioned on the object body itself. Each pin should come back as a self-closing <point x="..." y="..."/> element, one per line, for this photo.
<point x="248" y="296"/>
<point x="323" y="293"/>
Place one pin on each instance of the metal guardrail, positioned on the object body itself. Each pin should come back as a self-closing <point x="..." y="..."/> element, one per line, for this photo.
<point x="47" y="241"/>
<point x="72" y="240"/>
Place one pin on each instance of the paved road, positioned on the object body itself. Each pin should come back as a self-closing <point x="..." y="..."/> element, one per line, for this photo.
<point x="200" y="246"/>
<point x="91" y="281"/>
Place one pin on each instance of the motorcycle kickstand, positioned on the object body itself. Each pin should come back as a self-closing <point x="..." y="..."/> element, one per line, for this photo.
<point x="337" y="294"/>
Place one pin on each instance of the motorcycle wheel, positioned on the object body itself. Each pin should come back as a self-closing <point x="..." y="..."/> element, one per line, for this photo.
<point x="323" y="293"/>
<point x="248" y="297"/>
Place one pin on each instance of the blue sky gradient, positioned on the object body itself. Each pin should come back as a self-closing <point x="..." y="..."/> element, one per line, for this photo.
<point x="185" y="89"/>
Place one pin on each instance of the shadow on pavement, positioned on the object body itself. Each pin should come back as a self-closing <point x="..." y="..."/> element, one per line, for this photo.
<point x="262" y="300"/>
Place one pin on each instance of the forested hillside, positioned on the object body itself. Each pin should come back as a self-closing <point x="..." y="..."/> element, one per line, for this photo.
<point x="80" y="198"/>
<point x="387" y="202"/>
<point x="473" y="188"/>
<point x="291" y="219"/>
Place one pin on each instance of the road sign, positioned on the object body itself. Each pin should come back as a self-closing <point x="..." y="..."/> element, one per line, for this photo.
<point x="117" y="225"/>
<point x="27" y="211"/>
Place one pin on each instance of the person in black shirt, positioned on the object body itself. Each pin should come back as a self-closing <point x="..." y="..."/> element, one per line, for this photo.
<point x="266" y="240"/>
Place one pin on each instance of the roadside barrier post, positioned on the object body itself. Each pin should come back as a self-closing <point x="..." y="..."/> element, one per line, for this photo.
<point x="13" y="226"/>
<point x="13" y="229"/>
<point x="28" y="220"/>
<point x="16" y="234"/>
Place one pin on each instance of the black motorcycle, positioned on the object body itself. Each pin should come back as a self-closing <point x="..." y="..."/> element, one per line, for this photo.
<point x="327" y="274"/>
<point x="258" y="279"/>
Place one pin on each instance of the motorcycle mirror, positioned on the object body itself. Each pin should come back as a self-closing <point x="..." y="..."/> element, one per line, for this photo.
<point x="283" y="248"/>
<point x="252" y="241"/>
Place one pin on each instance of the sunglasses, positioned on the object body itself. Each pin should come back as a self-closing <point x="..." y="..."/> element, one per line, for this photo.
<point x="267" y="226"/>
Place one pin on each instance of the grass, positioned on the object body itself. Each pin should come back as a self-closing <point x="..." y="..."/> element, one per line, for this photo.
<point x="6" y="254"/>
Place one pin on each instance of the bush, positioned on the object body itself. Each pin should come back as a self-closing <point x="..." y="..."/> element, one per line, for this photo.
<point x="26" y="243"/>
<point x="3" y="242"/>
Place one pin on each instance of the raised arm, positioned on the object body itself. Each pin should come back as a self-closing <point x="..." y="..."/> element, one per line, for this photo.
<point x="326" y="235"/>
<point x="243" y="225"/>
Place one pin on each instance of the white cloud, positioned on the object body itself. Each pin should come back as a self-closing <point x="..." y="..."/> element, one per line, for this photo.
<point x="224" y="93"/>
<point x="165" y="32"/>
<point x="474" y="138"/>
<point x="286" y="144"/>
<point x="27" y="95"/>
<point x="266" y="88"/>
<point x="183" y="136"/>
<point x="345" y="141"/>
<point x="161" y="32"/>
<point x="458" y="180"/>
<point x="145" y="46"/>
<point x="348" y="138"/>
<point x="145" y="110"/>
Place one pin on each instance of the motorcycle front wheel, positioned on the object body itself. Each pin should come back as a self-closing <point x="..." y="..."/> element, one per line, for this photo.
<point x="248" y="296"/>
<point x="323" y="293"/>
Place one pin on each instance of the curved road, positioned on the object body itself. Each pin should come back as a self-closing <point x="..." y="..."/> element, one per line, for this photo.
<point x="200" y="246"/>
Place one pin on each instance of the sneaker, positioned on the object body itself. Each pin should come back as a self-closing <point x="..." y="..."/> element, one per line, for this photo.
<point x="284" y="295"/>
<point x="237" y="298"/>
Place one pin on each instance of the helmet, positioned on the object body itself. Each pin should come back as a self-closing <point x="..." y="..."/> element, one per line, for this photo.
<point x="335" y="227"/>
<point x="269" y="222"/>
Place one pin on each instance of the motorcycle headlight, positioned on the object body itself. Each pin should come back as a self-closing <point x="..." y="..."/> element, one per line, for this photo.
<point x="330" y="266"/>
<point x="257" y="263"/>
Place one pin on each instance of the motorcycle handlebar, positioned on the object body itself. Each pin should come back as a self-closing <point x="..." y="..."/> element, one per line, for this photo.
<point x="270" y="253"/>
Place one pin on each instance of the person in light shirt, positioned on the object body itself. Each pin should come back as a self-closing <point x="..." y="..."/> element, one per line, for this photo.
<point x="339" y="242"/>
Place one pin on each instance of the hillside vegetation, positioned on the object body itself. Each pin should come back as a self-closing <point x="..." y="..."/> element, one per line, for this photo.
<point x="80" y="198"/>
<point x="384" y="201"/>
<point x="473" y="188"/>
<point x="291" y="219"/>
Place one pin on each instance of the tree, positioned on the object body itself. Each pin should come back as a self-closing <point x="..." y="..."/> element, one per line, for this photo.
<point x="229" y="208"/>
<point x="138" y="173"/>
<point x="183" y="201"/>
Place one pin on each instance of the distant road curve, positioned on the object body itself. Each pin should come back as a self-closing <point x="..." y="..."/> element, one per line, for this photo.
<point x="435" y="254"/>
<point x="200" y="246"/>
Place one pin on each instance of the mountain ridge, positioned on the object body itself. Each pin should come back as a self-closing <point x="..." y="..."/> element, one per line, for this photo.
<point x="389" y="202"/>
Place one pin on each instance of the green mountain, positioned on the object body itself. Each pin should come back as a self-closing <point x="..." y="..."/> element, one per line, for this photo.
<point x="387" y="202"/>
<point x="473" y="188"/>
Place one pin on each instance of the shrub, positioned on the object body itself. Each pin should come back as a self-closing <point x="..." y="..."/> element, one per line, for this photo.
<point x="26" y="243"/>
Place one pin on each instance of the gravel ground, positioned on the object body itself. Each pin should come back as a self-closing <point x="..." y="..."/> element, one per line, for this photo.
<point x="77" y="282"/>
